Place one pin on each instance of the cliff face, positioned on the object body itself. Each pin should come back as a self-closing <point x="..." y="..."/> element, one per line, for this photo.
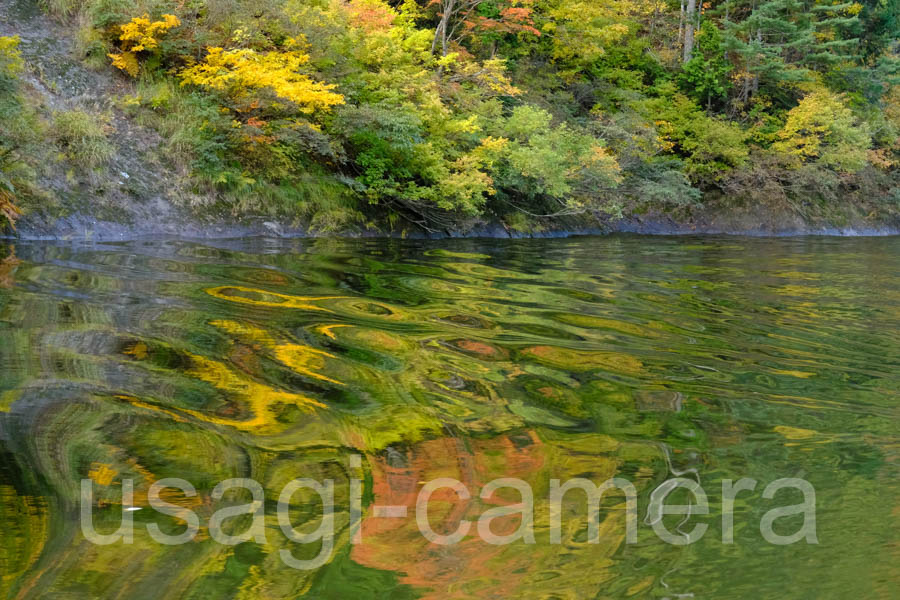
<point x="132" y="190"/>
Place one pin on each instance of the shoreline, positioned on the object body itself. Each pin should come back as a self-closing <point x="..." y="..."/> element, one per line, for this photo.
<point x="83" y="228"/>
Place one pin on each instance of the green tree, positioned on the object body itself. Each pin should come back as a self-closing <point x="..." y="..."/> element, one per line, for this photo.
<point x="778" y="42"/>
<point x="706" y="76"/>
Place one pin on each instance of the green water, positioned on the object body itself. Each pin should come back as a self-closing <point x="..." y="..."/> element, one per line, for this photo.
<point x="632" y="357"/>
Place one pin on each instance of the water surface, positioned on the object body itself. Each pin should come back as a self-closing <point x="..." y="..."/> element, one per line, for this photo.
<point x="634" y="357"/>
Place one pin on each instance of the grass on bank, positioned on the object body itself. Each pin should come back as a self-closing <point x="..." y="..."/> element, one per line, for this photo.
<point x="82" y="137"/>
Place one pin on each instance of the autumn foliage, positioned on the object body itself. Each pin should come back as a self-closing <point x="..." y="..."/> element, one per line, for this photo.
<point x="240" y="72"/>
<point x="421" y="113"/>
<point x="140" y="35"/>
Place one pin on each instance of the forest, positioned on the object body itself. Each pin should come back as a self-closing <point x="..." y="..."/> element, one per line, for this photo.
<point x="429" y="114"/>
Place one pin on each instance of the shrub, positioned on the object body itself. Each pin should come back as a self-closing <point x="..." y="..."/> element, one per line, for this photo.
<point x="140" y="36"/>
<point x="709" y="146"/>
<point x="10" y="64"/>
<point x="561" y="167"/>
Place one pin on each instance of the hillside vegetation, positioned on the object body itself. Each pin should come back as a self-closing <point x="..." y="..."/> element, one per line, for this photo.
<point x="434" y="114"/>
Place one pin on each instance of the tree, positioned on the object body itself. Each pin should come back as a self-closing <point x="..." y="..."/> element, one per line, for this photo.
<point x="822" y="129"/>
<point x="11" y="65"/>
<point x="582" y="30"/>
<point x="778" y="42"/>
<point x="460" y="18"/>
<point x="236" y="72"/>
<point x="706" y="77"/>
<point x="560" y="168"/>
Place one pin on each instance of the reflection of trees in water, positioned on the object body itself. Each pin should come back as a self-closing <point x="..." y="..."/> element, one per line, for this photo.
<point x="123" y="365"/>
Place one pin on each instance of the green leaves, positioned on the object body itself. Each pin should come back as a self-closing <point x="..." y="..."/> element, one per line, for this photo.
<point x="706" y="76"/>
<point x="542" y="162"/>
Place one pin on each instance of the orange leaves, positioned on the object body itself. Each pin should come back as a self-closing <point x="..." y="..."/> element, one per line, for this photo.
<point x="370" y="15"/>
<point x="8" y="208"/>
<point x="513" y="19"/>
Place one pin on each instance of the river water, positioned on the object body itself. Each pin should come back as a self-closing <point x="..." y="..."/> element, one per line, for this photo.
<point x="384" y="365"/>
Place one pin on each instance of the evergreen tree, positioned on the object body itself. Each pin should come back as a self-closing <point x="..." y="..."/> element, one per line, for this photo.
<point x="779" y="42"/>
<point x="706" y="75"/>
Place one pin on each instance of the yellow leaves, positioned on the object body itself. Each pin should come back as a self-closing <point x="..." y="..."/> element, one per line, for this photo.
<point x="126" y="61"/>
<point x="489" y="75"/>
<point x="305" y="360"/>
<point x="139" y="35"/>
<point x="666" y="131"/>
<point x="600" y="158"/>
<point x="881" y="159"/>
<point x="581" y="30"/>
<point x="803" y="438"/>
<point x="492" y="144"/>
<point x="8" y="208"/>
<point x="584" y="360"/>
<point x="822" y="127"/>
<point x="490" y="150"/>
<point x="139" y="350"/>
<point x="802" y="133"/>
<point x="262" y="400"/>
<point x="10" y="56"/>
<point x="793" y="373"/>
<point x="466" y="181"/>
<point x="853" y="9"/>
<point x="238" y="71"/>
<point x="245" y="295"/>
<point x="464" y="125"/>
<point x="327" y="330"/>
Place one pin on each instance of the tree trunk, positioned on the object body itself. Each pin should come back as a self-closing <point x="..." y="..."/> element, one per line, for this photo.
<point x="440" y="34"/>
<point x="754" y="86"/>
<point x="689" y="18"/>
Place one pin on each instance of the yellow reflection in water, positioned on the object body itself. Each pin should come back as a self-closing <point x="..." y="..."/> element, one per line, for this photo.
<point x="264" y="298"/>
<point x="261" y="398"/>
<point x="302" y="359"/>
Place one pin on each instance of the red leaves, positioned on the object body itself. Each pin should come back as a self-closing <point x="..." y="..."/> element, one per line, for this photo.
<point x="513" y="19"/>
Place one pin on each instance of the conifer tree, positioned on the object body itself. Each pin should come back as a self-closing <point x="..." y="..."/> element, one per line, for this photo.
<point x="706" y="75"/>
<point x="778" y="42"/>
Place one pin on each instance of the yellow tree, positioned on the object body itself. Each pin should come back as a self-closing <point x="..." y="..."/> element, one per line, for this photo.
<point x="238" y="72"/>
<point x="822" y="129"/>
